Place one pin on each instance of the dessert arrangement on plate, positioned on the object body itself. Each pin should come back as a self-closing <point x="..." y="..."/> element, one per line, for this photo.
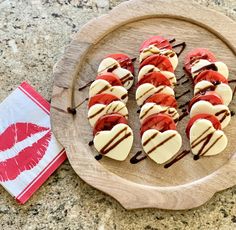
<point x="155" y="96"/>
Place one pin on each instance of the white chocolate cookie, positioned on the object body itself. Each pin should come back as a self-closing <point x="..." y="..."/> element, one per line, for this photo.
<point x="205" y="140"/>
<point x="98" y="110"/>
<point x="222" y="89"/>
<point x="115" y="143"/>
<point x="113" y="66"/>
<point x="152" y="108"/>
<point x="202" y="64"/>
<point x="151" y="68"/>
<point x="152" y="49"/>
<point x="161" y="147"/>
<point x="102" y="86"/>
<point x="146" y="90"/>
<point x="222" y="112"/>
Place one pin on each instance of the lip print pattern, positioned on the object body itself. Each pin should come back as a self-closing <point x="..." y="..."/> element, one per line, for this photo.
<point x="26" y="158"/>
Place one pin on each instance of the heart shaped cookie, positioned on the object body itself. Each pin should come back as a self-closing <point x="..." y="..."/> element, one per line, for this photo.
<point x="115" y="143"/>
<point x="151" y="68"/>
<point x="203" y="64"/>
<point x="152" y="49"/>
<point x="102" y="86"/>
<point x="205" y="140"/>
<point x="222" y="112"/>
<point x="98" y="110"/>
<point x="161" y="146"/>
<point x="146" y="90"/>
<point x="222" y="89"/>
<point x="152" y="108"/>
<point x="111" y="65"/>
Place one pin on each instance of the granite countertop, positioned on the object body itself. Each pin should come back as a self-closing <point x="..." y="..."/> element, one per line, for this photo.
<point x="33" y="34"/>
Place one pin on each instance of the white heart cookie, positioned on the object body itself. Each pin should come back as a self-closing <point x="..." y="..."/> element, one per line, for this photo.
<point x="152" y="108"/>
<point x="115" y="143"/>
<point x="203" y="64"/>
<point x="102" y="86"/>
<point x="107" y="64"/>
<point x="161" y="147"/>
<point x="146" y="90"/>
<point x="205" y="140"/>
<point x="222" y="112"/>
<point x="98" y="110"/>
<point x="151" y="68"/>
<point x="222" y="89"/>
<point x="152" y="49"/>
<point x="113" y="66"/>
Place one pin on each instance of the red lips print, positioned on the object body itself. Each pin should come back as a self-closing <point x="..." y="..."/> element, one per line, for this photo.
<point x="27" y="158"/>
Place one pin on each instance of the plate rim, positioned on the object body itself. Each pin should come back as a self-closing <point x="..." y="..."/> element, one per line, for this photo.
<point x="67" y="68"/>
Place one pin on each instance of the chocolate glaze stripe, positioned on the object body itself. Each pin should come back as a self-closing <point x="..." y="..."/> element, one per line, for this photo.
<point x="144" y="93"/>
<point x="211" y="66"/>
<point x="109" y="146"/>
<point x="149" y="139"/>
<point x="177" y="158"/>
<point x="217" y="139"/>
<point x="206" y="141"/>
<point x="95" y="114"/>
<point x="146" y="112"/>
<point x="161" y="143"/>
<point x="103" y="89"/>
<point x="196" y="140"/>
<point x="207" y="88"/>
<point x="126" y="78"/>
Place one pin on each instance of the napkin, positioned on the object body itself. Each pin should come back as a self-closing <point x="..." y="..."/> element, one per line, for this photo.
<point x="29" y="152"/>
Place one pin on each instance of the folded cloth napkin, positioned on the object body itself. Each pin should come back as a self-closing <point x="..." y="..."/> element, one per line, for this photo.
<point x="29" y="152"/>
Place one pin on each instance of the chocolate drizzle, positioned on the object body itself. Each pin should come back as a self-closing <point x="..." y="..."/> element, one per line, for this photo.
<point x="160" y="144"/>
<point x="183" y="105"/>
<point x="90" y="143"/>
<point x="98" y="157"/>
<point x="232" y="81"/>
<point x="181" y="77"/>
<point x="184" y="82"/>
<point x="86" y="85"/>
<point x="172" y="40"/>
<point x="177" y="158"/>
<point x="72" y="110"/>
<point x="234" y="91"/>
<point x="183" y="115"/>
<point x="138" y="157"/>
<point x="205" y="140"/>
<point x="211" y="66"/>
<point x="182" y="45"/>
<point x="184" y="93"/>
<point x="103" y="89"/>
<point x="112" y="68"/>
<point x="225" y="112"/>
<point x="109" y="146"/>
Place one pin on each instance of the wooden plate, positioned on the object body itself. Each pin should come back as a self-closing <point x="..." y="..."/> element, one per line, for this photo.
<point x="188" y="183"/>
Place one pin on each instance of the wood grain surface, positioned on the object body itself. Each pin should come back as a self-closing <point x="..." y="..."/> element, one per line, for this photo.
<point x="188" y="183"/>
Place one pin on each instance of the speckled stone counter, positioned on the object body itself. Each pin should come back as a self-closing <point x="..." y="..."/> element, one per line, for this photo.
<point x="33" y="35"/>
